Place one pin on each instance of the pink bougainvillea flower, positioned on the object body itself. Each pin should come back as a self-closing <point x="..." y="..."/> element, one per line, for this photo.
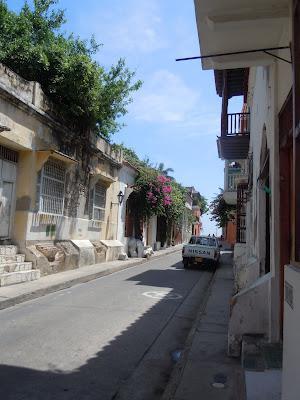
<point x="149" y="195"/>
<point x="162" y="179"/>
<point x="167" y="202"/>
<point x="167" y="189"/>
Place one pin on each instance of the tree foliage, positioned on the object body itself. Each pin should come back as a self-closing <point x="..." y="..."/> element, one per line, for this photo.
<point x="202" y="203"/>
<point x="165" y="171"/>
<point x="128" y="154"/>
<point x="159" y="195"/>
<point x="86" y="95"/>
<point x="167" y="197"/>
<point x="221" y="212"/>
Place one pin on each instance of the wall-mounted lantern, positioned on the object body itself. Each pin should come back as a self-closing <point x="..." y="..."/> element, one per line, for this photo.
<point x="120" y="197"/>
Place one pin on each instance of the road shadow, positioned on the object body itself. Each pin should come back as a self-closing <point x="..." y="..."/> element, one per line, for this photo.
<point x="100" y="377"/>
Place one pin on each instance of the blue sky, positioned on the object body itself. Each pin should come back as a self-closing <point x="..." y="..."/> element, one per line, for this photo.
<point x="175" y="117"/>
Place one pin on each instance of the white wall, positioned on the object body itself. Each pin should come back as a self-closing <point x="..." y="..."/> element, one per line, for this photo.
<point x="291" y="348"/>
<point x="152" y="231"/>
<point x="268" y="88"/>
<point x="126" y="180"/>
<point x="66" y="228"/>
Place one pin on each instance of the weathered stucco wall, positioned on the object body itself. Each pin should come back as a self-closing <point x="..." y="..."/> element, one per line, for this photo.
<point x="291" y="348"/>
<point x="127" y="176"/>
<point x="32" y="131"/>
<point x="268" y="88"/>
<point x="249" y="314"/>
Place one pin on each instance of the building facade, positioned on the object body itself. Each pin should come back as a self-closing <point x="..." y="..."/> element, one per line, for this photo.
<point x="196" y="210"/>
<point x="58" y="198"/>
<point x="259" y="64"/>
<point x="129" y="223"/>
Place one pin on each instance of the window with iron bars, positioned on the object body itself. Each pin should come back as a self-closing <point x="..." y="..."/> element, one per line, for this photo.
<point x="99" y="202"/>
<point x="51" y="187"/>
<point x="241" y="212"/>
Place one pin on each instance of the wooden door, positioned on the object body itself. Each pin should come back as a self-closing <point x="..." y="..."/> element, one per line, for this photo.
<point x="286" y="179"/>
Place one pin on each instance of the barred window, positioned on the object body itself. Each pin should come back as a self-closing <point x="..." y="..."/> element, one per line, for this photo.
<point x="99" y="202"/>
<point x="51" y="187"/>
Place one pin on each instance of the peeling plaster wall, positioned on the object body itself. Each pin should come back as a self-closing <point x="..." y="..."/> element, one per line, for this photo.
<point x="126" y="180"/>
<point x="268" y="88"/>
<point x="249" y="314"/>
<point x="27" y="113"/>
<point x="291" y="348"/>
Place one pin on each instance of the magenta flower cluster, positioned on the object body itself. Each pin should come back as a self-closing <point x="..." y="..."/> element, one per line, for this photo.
<point x="160" y="190"/>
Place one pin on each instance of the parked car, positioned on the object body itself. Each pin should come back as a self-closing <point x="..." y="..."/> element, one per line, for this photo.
<point x="201" y="249"/>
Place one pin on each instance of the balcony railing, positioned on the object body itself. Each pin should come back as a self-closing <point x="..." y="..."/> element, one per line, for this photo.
<point x="236" y="124"/>
<point x="241" y="213"/>
<point x="232" y="181"/>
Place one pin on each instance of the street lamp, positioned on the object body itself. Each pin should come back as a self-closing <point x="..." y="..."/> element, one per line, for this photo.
<point x="120" y="197"/>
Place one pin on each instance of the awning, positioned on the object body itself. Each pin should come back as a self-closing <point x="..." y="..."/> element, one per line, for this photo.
<point x="59" y="156"/>
<point x="241" y="25"/>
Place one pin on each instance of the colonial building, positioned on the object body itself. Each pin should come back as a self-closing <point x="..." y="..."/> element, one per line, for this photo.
<point x="58" y="195"/>
<point x="196" y="209"/>
<point x="235" y="175"/>
<point x="130" y="225"/>
<point x="186" y="230"/>
<point x="248" y="46"/>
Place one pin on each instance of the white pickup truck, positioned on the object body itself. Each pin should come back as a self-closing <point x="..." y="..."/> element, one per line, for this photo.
<point x="200" y="249"/>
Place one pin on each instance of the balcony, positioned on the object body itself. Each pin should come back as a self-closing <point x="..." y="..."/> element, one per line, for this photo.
<point x="233" y="144"/>
<point x="231" y="184"/>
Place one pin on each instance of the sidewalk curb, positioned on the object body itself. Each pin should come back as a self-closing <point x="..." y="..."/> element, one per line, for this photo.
<point x="83" y="279"/>
<point x="178" y="369"/>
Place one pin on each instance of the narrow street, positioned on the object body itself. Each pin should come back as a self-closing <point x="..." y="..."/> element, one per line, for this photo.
<point x="110" y="338"/>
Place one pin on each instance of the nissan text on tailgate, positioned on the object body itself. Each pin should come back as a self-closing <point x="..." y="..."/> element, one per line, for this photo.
<point x="200" y="249"/>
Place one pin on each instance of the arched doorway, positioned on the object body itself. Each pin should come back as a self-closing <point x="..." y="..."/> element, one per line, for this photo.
<point x="265" y="203"/>
<point x="286" y="179"/>
<point x="133" y="222"/>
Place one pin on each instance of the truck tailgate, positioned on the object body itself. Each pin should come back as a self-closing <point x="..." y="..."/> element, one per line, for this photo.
<point x="194" y="250"/>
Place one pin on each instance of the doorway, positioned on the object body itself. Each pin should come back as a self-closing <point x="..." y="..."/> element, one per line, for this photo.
<point x="7" y="194"/>
<point x="286" y="179"/>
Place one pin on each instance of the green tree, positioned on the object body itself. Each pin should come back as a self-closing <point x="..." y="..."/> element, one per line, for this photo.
<point x="165" y="171"/>
<point x="202" y="203"/>
<point x="177" y="207"/>
<point x="204" y="206"/>
<point x="155" y="193"/>
<point x="86" y="96"/>
<point x="221" y="212"/>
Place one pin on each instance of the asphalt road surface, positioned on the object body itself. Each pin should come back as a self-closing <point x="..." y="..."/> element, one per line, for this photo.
<point x="116" y="337"/>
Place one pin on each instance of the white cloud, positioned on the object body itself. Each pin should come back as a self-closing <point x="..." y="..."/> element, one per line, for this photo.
<point x="164" y="97"/>
<point x="134" y="26"/>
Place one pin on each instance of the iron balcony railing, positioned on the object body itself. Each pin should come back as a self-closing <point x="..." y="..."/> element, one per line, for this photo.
<point x="236" y="124"/>
<point x="232" y="181"/>
<point x="241" y="227"/>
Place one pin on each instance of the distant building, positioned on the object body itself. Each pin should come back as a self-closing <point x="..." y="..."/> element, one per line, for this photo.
<point x="197" y="212"/>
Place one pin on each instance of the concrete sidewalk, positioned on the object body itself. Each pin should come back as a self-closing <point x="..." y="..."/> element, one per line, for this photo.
<point x="15" y="294"/>
<point x="205" y="371"/>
